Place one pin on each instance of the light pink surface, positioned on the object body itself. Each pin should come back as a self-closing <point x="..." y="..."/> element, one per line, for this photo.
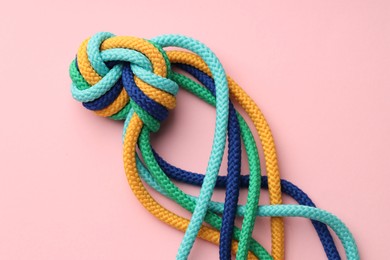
<point x="318" y="69"/>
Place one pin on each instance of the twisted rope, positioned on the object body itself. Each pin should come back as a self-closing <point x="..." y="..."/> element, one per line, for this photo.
<point x="130" y="78"/>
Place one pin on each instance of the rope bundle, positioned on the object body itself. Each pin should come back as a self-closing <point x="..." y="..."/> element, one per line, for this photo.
<point x="128" y="78"/>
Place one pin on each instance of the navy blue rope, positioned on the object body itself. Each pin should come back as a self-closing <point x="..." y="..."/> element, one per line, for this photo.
<point x="232" y="185"/>
<point x="222" y="181"/>
<point x="232" y="178"/>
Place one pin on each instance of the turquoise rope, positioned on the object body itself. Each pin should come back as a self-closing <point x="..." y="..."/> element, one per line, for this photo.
<point x="219" y="140"/>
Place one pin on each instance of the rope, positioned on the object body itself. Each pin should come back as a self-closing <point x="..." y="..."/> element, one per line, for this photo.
<point x="130" y="78"/>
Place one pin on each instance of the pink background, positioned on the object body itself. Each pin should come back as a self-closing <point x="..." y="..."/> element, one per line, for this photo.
<point x="318" y="69"/>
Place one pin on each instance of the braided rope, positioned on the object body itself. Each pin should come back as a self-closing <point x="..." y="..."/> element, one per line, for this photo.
<point x="130" y="78"/>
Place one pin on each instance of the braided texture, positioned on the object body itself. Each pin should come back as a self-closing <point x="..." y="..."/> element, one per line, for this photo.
<point x="129" y="78"/>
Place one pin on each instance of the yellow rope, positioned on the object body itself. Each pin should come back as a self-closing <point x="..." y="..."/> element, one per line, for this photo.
<point x="264" y="132"/>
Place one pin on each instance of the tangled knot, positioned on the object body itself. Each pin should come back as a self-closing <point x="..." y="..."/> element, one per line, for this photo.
<point x="117" y="75"/>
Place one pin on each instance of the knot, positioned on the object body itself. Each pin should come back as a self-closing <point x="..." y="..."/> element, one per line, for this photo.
<point x="118" y="75"/>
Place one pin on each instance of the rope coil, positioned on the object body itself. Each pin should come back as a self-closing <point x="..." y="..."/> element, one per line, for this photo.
<point x="129" y="78"/>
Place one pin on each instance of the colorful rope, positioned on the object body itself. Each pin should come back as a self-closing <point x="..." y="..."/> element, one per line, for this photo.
<point x="105" y="63"/>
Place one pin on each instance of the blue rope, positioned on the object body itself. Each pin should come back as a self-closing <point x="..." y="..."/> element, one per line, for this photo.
<point x="232" y="185"/>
